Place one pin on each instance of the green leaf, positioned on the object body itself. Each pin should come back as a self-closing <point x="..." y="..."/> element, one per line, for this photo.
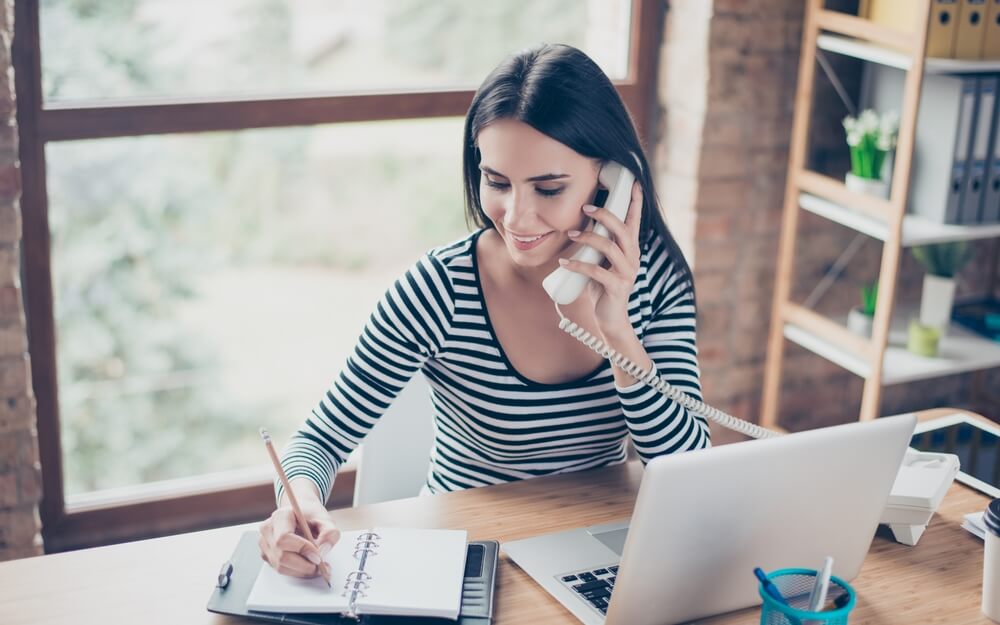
<point x="869" y="297"/>
<point x="943" y="259"/>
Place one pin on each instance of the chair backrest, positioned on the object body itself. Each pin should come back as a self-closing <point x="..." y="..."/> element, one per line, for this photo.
<point x="396" y="452"/>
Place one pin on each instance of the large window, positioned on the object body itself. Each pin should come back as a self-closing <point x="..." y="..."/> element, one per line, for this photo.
<point x="215" y="195"/>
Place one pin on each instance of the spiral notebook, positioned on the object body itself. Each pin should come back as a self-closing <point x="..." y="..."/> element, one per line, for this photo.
<point x="387" y="571"/>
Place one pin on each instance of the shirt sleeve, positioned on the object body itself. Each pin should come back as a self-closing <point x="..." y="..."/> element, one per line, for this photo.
<point x="659" y="425"/>
<point x="409" y="325"/>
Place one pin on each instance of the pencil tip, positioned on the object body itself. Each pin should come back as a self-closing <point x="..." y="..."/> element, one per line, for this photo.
<point x="264" y="435"/>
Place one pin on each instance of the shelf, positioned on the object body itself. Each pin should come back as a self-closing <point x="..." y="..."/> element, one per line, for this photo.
<point x="893" y="58"/>
<point x="916" y="230"/>
<point x="961" y="351"/>
<point x="827" y="32"/>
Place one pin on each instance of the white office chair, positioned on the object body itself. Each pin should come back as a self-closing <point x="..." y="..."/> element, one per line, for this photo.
<point x="392" y="462"/>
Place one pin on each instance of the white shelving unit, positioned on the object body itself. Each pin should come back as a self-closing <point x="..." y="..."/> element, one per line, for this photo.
<point x="882" y="360"/>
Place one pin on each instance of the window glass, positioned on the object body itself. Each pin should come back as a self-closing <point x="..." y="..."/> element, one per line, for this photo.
<point x="111" y="49"/>
<point x="210" y="284"/>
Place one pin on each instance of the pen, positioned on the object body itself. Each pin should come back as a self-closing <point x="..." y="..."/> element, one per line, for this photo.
<point x="769" y="586"/>
<point x="818" y="596"/>
<point x="773" y="591"/>
<point x="324" y="569"/>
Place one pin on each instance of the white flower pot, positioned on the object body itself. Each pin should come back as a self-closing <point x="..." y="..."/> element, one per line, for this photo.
<point x="859" y="323"/>
<point x="936" y="301"/>
<point x="878" y="188"/>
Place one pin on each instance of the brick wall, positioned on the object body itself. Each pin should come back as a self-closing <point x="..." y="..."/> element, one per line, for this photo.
<point x="726" y="89"/>
<point x="20" y="475"/>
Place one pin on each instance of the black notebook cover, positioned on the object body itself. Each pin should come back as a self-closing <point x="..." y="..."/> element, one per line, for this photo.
<point x="477" y="591"/>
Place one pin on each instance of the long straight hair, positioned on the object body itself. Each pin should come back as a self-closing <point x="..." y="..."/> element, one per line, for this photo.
<point x="559" y="91"/>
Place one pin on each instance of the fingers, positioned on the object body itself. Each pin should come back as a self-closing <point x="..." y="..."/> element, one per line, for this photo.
<point x="625" y="233"/>
<point x="293" y="543"/>
<point x="610" y="249"/>
<point x="326" y="534"/>
<point x="287" y="552"/>
<point x="611" y="282"/>
<point x="634" y="217"/>
<point x="285" y="562"/>
<point x="294" y="565"/>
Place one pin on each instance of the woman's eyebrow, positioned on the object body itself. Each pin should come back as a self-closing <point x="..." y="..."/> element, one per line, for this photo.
<point x="541" y="178"/>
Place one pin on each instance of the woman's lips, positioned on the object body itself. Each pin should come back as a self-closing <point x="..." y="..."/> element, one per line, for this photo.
<point x="527" y="245"/>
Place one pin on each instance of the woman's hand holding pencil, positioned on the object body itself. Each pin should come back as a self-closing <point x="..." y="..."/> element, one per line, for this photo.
<point x="300" y="532"/>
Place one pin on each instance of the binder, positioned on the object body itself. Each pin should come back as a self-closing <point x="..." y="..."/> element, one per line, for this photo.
<point x="971" y="29"/>
<point x="941" y="144"/>
<point x="239" y="573"/>
<point x="980" y="151"/>
<point x="991" y="39"/>
<point x="899" y="15"/>
<point x="965" y="127"/>
<point x="895" y="14"/>
<point x="990" y="211"/>
<point x="942" y="28"/>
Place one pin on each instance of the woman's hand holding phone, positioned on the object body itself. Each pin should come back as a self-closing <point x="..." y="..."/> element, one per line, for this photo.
<point x="615" y="277"/>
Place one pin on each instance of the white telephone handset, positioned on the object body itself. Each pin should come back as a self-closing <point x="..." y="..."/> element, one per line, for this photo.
<point x="563" y="285"/>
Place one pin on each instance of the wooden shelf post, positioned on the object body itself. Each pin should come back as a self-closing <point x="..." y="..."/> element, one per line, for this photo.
<point x="799" y="179"/>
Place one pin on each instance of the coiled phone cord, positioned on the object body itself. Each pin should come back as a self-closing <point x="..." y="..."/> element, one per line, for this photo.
<point x="649" y="378"/>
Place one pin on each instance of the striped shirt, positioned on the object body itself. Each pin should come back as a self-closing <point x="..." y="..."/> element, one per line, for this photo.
<point x="492" y="424"/>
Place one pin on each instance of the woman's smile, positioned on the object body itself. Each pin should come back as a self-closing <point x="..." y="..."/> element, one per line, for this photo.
<point x="527" y="242"/>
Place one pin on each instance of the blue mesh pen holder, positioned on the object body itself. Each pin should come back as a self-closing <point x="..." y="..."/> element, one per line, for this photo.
<point x="795" y="586"/>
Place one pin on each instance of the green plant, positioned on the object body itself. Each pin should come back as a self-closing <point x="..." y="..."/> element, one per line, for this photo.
<point x="943" y="259"/>
<point x="869" y="296"/>
<point x="870" y="137"/>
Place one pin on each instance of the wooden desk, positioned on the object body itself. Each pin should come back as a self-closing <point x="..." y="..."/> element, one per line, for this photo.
<point x="169" y="580"/>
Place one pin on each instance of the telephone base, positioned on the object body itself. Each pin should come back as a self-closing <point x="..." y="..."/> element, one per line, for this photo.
<point x="907" y="534"/>
<point x="920" y="485"/>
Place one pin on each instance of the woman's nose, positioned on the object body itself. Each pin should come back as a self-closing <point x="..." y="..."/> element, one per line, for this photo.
<point x="519" y="211"/>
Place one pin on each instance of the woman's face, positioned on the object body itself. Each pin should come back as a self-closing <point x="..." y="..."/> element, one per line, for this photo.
<point x="533" y="189"/>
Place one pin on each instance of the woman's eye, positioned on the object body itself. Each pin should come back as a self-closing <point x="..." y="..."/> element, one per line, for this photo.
<point x="549" y="192"/>
<point x="494" y="184"/>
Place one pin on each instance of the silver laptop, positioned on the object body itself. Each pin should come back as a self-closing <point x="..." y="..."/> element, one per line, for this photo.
<point x="704" y="519"/>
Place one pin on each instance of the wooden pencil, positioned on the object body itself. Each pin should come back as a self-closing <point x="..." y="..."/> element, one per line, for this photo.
<point x="324" y="569"/>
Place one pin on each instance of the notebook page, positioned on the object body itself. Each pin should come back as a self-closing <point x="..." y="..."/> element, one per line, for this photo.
<point x="274" y="592"/>
<point x="416" y="572"/>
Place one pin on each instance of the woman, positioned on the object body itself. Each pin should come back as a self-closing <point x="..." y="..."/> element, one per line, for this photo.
<point x="514" y="396"/>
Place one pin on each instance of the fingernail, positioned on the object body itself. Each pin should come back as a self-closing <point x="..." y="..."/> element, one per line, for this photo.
<point x="312" y="557"/>
<point x="573" y="233"/>
<point x="589" y="208"/>
<point x="325" y="549"/>
<point x="563" y="262"/>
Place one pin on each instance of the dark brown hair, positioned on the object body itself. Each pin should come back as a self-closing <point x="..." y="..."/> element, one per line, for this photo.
<point x="559" y="91"/>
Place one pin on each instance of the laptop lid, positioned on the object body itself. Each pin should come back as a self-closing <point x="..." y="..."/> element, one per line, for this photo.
<point x="704" y="519"/>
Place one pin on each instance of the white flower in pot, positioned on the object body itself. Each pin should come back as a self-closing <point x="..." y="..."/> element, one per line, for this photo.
<point x="871" y="139"/>
<point x="942" y="261"/>
<point x="860" y="318"/>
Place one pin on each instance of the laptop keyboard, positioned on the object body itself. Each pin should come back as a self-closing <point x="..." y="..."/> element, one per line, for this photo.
<point x="594" y="586"/>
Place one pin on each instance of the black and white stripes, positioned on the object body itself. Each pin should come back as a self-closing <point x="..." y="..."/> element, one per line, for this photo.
<point x="493" y="425"/>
